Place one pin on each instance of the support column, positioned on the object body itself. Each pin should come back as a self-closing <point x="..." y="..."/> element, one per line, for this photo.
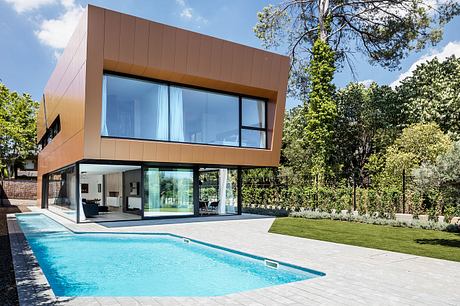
<point x="44" y="197"/>
<point x="77" y="192"/>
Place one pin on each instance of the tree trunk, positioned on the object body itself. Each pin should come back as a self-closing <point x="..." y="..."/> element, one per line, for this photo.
<point x="323" y="7"/>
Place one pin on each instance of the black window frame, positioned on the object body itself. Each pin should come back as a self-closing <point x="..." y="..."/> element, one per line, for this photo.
<point x="169" y="84"/>
<point x="253" y="128"/>
<point x="50" y="133"/>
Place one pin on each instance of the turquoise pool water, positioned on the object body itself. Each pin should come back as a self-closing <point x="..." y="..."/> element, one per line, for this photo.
<point x="93" y="264"/>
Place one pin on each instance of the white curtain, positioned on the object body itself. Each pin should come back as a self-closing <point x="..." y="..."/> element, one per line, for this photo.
<point x="222" y="191"/>
<point x="261" y="113"/>
<point x="104" y="130"/>
<point x="262" y="140"/>
<point x="177" y="114"/>
<point x="230" y="194"/>
<point x="80" y="204"/>
<point x="162" y="113"/>
<point x="153" y="188"/>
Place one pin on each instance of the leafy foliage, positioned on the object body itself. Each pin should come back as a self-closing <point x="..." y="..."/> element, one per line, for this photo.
<point x="322" y="110"/>
<point x="17" y="128"/>
<point x="385" y="31"/>
<point x="431" y="94"/>
<point x="439" y="182"/>
<point x="369" y="119"/>
<point x="419" y="143"/>
<point x="349" y="147"/>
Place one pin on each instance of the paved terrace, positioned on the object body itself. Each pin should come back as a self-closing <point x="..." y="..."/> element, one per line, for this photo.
<point x="354" y="275"/>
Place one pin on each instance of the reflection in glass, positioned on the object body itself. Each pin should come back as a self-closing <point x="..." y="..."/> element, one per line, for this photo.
<point x="218" y="192"/>
<point x="211" y="118"/>
<point x="134" y="108"/>
<point x="62" y="198"/>
<point x="228" y="191"/>
<point x="140" y="109"/>
<point x="168" y="192"/>
<point x="253" y="138"/>
<point x="253" y="113"/>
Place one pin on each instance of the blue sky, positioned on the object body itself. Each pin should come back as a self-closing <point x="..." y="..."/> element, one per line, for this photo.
<point x="33" y="33"/>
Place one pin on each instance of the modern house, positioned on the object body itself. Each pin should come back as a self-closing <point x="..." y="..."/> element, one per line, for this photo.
<point x="144" y="120"/>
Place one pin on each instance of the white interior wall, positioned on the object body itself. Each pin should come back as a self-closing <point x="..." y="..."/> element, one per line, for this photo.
<point x="92" y="181"/>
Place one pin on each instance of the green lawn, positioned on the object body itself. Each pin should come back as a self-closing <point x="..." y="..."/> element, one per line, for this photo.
<point x="421" y="242"/>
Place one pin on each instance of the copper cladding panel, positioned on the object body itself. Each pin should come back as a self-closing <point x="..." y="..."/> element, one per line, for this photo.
<point x="131" y="45"/>
<point x="107" y="40"/>
<point x="65" y="96"/>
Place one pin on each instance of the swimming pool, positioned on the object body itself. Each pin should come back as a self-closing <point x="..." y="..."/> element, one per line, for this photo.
<point x="95" y="264"/>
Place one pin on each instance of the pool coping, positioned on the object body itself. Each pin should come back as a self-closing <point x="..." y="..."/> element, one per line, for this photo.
<point x="35" y="279"/>
<point x="31" y="283"/>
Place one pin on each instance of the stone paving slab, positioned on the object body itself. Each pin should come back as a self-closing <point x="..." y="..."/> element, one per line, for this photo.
<point x="354" y="275"/>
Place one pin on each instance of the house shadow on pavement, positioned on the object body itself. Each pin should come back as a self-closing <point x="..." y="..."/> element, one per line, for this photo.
<point x="118" y="224"/>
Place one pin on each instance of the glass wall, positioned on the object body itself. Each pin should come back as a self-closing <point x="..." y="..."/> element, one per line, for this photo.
<point x="61" y="193"/>
<point x="253" y="128"/>
<point x="168" y="192"/>
<point x="199" y="116"/>
<point x="218" y="193"/>
<point x="133" y="108"/>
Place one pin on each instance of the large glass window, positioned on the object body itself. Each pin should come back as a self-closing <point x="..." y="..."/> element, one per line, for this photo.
<point x="168" y="192"/>
<point x="253" y="127"/>
<point x="253" y="113"/>
<point x="141" y="109"/>
<point x="61" y="193"/>
<point x="199" y="116"/>
<point x="134" y="109"/>
<point x="253" y="138"/>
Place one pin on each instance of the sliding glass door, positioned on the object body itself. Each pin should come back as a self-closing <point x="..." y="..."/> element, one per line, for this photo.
<point x="168" y="192"/>
<point x="218" y="191"/>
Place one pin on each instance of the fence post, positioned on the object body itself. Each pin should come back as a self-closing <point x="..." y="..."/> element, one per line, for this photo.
<point x="404" y="190"/>
<point x="316" y="191"/>
<point x="354" y="193"/>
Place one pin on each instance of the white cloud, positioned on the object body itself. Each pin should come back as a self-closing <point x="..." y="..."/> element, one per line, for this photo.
<point x="56" y="32"/>
<point x="452" y="48"/>
<point x="52" y="32"/>
<point x="22" y="6"/>
<point x="187" y="13"/>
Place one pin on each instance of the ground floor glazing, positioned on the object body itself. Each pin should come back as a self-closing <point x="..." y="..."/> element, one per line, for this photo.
<point x="108" y="191"/>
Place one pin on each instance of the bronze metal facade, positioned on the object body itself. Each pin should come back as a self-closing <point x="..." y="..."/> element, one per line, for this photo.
<point x="110" y="41"/>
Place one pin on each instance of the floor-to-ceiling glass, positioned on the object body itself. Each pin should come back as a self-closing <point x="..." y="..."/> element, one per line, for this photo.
<point x="218" y="191"/>
<point x="62" y="193"/>
<point x="168" y="192"/>
<point x="110" y="192"/>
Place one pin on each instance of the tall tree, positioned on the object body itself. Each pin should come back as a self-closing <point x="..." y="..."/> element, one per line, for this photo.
<point x="322" y="111"/>
<point x="385" y="31"/>
<point x="17" y="129"/>
<point x="418" y="144"/>
<point x="369" y="119"/>
<point x="432" y="94"/>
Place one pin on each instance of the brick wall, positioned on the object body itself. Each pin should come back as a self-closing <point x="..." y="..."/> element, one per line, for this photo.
<point x="19" y="189"/>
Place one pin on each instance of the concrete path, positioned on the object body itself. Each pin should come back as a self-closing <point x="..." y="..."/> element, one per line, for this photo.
<point x="354" y="275"/>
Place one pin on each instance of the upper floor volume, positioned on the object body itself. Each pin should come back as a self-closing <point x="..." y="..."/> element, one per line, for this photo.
<point x="129" y="89"/>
